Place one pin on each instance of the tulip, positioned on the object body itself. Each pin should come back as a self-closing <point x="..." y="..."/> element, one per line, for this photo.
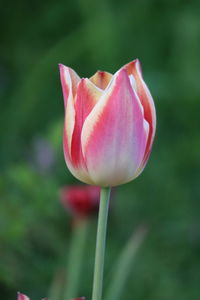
<point x="109" y="124"/>
<point x="109" y="129"/>
<point x="24" y="297"/>
<point x="81" y="200"/>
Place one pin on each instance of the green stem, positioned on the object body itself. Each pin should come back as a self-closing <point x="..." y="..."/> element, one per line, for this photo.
<point x="75" y="259"/>
<point x="100" y="244"/>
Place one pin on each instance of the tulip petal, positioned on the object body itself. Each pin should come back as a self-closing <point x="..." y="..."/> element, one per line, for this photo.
<point x="70" y="83"/>
<point x="69" y="80"/>
<point x="101" y="79"/>
<point x="134" y="68"/>
<point x="22" y="296"/>
<point x="78" y="172"/>
<point x="87" y="96"/>
<point x="113" y="135"/>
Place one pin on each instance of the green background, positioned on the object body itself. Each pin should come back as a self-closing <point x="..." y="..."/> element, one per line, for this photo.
<point x="89" y="35"/>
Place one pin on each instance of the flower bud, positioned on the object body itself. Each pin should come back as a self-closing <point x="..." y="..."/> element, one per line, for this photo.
<point x="109" y="125"/>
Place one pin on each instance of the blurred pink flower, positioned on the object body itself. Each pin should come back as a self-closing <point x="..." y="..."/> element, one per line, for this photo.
<point x="24" y="297"/>
<point x="81" y="200"/>
<point x="109" y="126"/>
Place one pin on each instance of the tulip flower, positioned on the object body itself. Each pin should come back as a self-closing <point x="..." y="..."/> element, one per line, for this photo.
<point x="109" y="124"/>
<point x="24" y="297"/>
<point x="81" y="200"/>
<point x="109" y="129"/>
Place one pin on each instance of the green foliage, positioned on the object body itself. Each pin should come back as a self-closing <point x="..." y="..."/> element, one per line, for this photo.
<point x="90" y="35"/>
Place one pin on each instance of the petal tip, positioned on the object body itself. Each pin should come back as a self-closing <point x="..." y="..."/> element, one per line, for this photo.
<point x="61" y="66"/>
<point x="136" y="60"/>
<point x="121" y="74"/>
<point x="138" y="65"/>
<point x="133" y="66"/>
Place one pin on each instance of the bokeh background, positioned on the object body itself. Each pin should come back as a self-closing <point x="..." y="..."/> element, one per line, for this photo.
<point x="87" y="35"/>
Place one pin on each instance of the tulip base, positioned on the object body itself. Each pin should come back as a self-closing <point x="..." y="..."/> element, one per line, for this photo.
<point x="100" y="244"/>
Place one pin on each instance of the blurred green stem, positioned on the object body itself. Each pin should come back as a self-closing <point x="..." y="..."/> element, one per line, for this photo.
<point x="75" y="259"/>
<point x="100" y="244"/>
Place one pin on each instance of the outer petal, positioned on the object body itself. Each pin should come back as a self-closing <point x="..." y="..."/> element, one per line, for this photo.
<point x="78" y="172"/>
<point x="22" y="297"/>
<point x="113" y="136"/>
<point x="66" y="75"/>
<point x="133" y="68"/>
<point x="69" y="80"/>
<point x="86" y="97"/>
<point x="101" y="79"/>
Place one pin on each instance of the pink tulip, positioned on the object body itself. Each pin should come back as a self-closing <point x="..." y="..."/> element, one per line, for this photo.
<point x="109" y="125"/>
<point x="24" y="297"/>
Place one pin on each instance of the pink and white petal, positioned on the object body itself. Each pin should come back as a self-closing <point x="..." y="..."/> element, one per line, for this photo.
<point x="133" y="68"/>
<point x="87" y="95"/>
<point x="69" y="81"/>
<point x="69" y="123"/>
<point x="78" y="171"/>
<point x="22" y="297"/>
<point x="66" y="75"/>
<point x="101" y="79"/>
<point x="143" y="163"/>
<point x="86" y="98"/>
<point x="113" y="135"/>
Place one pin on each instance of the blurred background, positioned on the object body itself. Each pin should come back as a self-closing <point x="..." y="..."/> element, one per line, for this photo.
<point x="88" y="35"/>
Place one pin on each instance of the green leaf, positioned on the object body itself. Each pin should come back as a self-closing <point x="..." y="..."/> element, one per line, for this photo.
<point x="124" y="265"/>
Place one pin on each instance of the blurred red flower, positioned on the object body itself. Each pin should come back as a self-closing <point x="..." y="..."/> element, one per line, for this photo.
<point x="81" y="200"/>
